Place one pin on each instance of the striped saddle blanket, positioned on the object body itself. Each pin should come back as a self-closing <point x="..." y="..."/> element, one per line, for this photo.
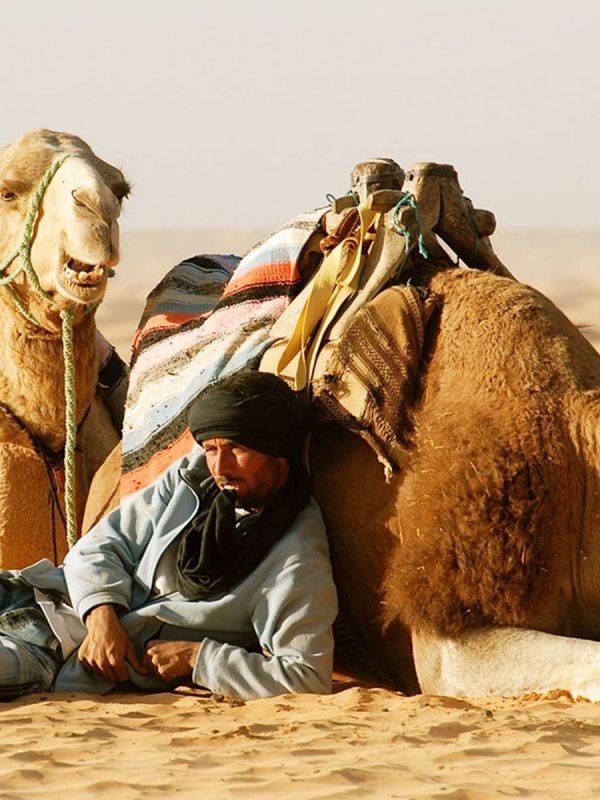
<point x="209" y="317"/>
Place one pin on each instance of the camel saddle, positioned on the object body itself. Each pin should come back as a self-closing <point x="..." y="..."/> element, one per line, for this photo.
<point x="370" y="235"/>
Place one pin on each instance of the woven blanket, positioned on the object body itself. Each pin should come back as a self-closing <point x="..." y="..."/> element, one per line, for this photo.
<point x="209" y="317"/>
<point x="366" y="379"/>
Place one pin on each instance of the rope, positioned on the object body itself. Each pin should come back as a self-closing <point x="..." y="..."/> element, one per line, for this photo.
<point x="331" y="198"/>
<point x="23" y="310"/>
<point x="408" y="199"/>
<point x="24" y="249"/>
<point x="67" y="316"/>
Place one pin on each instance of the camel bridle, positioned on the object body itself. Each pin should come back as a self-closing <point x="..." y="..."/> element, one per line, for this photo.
<point x="67" y="316"/>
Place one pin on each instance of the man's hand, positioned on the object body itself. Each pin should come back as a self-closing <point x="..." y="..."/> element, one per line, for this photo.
<point x="106" y="646"/>
<point x="171" y="660"/>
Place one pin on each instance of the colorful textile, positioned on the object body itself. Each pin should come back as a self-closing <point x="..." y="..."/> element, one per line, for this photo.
<point x="209" y="317"/>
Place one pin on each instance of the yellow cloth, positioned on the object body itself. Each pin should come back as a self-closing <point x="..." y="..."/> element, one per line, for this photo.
<point x="336" y="280"/>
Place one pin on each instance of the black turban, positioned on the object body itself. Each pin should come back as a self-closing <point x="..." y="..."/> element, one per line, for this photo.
<point x="276" y="426"/>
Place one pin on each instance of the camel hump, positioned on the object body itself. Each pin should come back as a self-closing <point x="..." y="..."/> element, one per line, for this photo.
<point x="495" y="326"/>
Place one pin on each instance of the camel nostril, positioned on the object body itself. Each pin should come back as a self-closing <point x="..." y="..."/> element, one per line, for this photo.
<point x="78" y="202"/>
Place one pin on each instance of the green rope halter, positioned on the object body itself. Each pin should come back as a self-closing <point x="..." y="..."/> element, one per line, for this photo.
<point x="67" y="316"/>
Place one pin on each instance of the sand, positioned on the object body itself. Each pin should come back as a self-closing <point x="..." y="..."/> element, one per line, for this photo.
<point x="359" y="742"/>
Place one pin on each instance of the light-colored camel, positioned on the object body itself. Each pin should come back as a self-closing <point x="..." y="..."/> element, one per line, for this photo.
<point x="74" y="242"/>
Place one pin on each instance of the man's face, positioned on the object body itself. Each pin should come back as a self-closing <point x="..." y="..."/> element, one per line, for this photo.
<point x="254" y="475"/>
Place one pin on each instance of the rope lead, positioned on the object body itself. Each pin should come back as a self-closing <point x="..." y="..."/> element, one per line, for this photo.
<point x="67" y="316"/>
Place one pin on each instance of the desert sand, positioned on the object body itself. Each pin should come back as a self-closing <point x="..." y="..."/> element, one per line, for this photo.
<point x="362" y="741"/>
<point x="358" y="742"/>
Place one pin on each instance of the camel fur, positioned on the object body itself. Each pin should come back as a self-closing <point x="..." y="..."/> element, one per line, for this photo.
<point x="75" y="243"/>
<point x="492" y="526"/>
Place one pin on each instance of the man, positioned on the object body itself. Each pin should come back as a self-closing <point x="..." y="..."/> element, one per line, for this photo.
<point x="217" y="574"/>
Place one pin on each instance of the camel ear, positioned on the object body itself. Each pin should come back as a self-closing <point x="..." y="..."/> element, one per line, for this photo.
<point x="121" y="190"/>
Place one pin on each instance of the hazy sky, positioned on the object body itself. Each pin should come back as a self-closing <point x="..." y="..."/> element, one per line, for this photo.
<point x="245" y="113"/>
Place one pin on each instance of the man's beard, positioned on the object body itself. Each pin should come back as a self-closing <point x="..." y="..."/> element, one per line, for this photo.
<point x="248" y="499"/>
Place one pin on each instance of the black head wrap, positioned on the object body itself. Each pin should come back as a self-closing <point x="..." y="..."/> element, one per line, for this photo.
<point x="274" y="425"/>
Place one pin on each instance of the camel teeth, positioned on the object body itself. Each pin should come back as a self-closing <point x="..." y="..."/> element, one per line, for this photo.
<point x="84" y="274"/>
<point x="90" y="278"/>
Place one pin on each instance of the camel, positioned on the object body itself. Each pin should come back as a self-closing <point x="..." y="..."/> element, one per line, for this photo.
<point x="59" y="237"/>
<point x="474" y="570"/>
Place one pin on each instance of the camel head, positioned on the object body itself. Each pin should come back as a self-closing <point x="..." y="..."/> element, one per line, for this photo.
<point x="75" y="234"/>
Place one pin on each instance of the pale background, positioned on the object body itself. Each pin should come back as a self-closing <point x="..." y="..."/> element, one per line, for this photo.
<point x="231" y="117"/>
<point x="237" y="114"/>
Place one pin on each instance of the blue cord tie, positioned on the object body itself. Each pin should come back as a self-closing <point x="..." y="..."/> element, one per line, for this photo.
<point x="408" y="199"/>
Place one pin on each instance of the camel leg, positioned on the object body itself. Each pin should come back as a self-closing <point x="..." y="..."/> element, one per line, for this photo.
<point x="506" y="662"/>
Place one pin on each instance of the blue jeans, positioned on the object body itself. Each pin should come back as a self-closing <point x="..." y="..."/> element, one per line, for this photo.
<point x="30" y="655"/>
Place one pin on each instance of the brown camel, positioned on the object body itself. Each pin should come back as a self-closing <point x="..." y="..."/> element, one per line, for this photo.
<point x="474" y="570"/>
<point x="71" y="241"/>
<point x="486" y="545"/>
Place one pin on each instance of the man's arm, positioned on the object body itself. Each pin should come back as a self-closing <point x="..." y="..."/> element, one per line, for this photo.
<point x="172" y="661"/>
<point x="107" y="646"/>
<point x="99" y="569"/>
<point x="293" y="621"/>
<point x="99" y="575"/>
<point x="296" y="654"/>
<point x="295" y="604"/>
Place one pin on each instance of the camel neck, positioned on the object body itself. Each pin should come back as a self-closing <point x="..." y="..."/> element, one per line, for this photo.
<point x="37" y="393"/>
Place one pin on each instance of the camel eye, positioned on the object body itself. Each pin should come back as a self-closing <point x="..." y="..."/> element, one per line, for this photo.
<point x="7" y="195"/>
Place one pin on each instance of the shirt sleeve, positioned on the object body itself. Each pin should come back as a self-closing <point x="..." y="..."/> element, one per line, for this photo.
<point x="99" y="569"/>
<point x="292" y="618"/>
